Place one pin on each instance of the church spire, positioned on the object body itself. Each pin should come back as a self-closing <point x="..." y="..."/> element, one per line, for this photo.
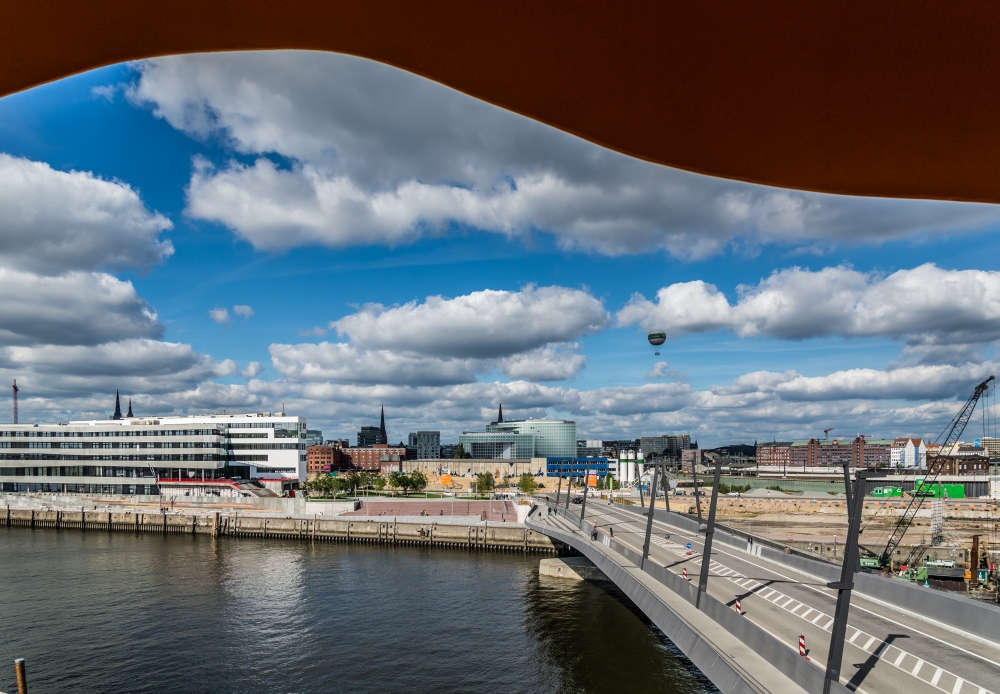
<point x="130" y="415"/>
<point x="118" y="407"/>
<point x="500" y="416"/>
<point x="381" y="428"/>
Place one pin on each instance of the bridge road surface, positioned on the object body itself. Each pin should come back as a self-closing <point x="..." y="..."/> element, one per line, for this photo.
<point x="887" y="650"/>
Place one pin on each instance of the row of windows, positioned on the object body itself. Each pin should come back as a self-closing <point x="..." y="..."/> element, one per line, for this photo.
<point x="80" y="488"/>
<point x="138" y="458"/>
<point x="109" y="444"/>
<point x="267" y="446"/>
<point x="110" y="470"/>
<point x="248" y="436"/>
<point x="252" y="425"/>
<point x="41" y="433"/>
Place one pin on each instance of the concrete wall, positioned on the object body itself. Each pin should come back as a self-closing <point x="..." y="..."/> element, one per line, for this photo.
<point x="297" y="506"/>
<point x="484" y="536"/>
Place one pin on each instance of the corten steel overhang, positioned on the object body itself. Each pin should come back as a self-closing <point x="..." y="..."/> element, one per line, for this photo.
<point x="893" y="99"/>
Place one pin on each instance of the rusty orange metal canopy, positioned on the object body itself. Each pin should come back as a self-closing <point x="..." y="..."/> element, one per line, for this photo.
<point x="892" y="98"/>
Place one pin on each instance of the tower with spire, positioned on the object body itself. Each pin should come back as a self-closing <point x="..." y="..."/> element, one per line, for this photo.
<point x="500" y="416"/>
<point x="130" y="415"/>
<point x="381" y="428"/>
<point x="118" y="407"/>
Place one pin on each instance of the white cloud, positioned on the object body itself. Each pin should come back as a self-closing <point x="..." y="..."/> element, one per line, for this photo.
<point x="344" y="363"/>
<point x="253" y="370"/>
<point x="662" y="370"/>
<point x="220" y="316"/>
<point x="53" y="221"/>
<point x="549" y="363"/>
<point x="380" y="155"/>
<point x="484" y="324"/>
<point x="243" y="310"/>
<point x="935" y="311"/>
<point x="83" y="308"/>
<point x="315" y="331"/>
<point x="134" y="366"/>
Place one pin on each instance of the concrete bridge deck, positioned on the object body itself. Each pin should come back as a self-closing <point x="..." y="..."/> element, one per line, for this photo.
<point x="890" y="647"/>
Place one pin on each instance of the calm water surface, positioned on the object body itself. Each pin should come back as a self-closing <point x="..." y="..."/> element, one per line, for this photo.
<point x="96" y="612"/>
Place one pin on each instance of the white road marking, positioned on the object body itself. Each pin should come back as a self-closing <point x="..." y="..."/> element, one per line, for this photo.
<point x="916" y="668"/>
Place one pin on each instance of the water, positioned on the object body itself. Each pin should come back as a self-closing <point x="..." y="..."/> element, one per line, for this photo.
<point x="99" y="612"/>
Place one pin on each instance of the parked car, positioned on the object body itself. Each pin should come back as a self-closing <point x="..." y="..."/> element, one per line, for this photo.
<point x="579" y="500"/>
<point x="680" y="492"/>
<point x="733" y="494"/>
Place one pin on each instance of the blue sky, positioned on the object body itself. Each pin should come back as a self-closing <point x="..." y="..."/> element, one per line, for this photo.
<point x="309" y="186"/>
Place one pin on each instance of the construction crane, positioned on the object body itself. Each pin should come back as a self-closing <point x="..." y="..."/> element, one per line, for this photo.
<point x="15" y="400"/>
<point x="826" y="434"/>
<point x="951" y="435"/>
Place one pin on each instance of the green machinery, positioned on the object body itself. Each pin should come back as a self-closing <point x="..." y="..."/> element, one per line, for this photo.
<point x="938" y="490"/>
<point x="887" y="492"/>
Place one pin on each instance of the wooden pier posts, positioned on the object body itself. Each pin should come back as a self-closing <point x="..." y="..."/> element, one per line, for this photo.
<point x="22" y="678"/>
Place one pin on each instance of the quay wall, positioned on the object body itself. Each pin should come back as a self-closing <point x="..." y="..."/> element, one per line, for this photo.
<point x="316" y="529"/>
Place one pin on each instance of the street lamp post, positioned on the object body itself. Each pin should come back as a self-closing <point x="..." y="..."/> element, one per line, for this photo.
<point x="649" y="518"/>
<point x="706" y="555"/>
<point x="846" y="583"/>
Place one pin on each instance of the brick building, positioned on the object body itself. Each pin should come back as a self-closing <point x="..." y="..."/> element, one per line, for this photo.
<point x="774" y="453"/>
<point x="963" y="464"/>
<point x="324" y="459"/>
<point x="821" y="453"/>
<point x="380" y="457"/>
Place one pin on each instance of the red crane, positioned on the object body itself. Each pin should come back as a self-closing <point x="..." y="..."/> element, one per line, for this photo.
<point x="15" y="400"/>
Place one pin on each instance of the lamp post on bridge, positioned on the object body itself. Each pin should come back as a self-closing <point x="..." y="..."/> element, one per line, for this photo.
<point x="649" y="518"/>
<point x="586" y="488"/>
<point x="846" y="583"/>
<point x="706" y="555"/>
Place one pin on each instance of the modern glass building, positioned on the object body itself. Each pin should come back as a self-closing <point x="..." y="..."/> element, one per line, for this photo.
<point x="554" y="438"/>
<point x="504" y="445"/>
<point x="427" y="443"/>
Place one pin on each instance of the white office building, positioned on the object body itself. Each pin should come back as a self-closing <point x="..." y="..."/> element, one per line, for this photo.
<point x="216" y="454"/>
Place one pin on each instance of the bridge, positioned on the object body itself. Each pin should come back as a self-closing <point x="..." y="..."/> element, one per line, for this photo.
<point x="899" y="637"/>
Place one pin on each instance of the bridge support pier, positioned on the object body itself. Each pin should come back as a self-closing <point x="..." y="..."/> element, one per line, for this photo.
<point x="706" y="556"/>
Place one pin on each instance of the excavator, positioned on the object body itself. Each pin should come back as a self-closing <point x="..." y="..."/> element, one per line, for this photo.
<point x="950" y="437"/>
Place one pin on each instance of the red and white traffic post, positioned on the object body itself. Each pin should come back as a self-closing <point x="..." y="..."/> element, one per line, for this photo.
<point x="685" y="574"/>
<point x="739" y="606"/>
<point x="802" y="645"/>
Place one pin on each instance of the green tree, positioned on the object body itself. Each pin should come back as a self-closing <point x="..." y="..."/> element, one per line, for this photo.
<point x="418" y="481"/>
<point x="527" y="484"/>
<point x="460" y="451"/>
<point x="396" y="480"/>
<point x="484" y="483"/>
<point x="380" y="483"/>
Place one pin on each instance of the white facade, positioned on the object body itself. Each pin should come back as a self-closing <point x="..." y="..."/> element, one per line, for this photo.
<point x="908" y="453"/>
<point x="133" y="455"/>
